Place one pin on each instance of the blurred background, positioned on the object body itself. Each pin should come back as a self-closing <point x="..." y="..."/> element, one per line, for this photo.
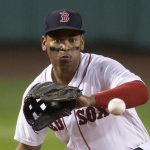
<point x="114" y="28"/>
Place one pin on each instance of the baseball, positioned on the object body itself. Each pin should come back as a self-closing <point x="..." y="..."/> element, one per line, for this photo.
<point x="116" y="106"/>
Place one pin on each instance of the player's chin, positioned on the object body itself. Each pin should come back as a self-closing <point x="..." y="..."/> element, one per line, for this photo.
<point x="65" y="65"/>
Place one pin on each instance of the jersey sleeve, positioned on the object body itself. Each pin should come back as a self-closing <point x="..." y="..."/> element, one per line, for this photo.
<point x="115" y="74"/>
<point x="24" y="132"/>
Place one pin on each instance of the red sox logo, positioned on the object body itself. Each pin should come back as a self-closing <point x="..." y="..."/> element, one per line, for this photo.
<point x="90" y="114"/>
<point x="64" y="16"/>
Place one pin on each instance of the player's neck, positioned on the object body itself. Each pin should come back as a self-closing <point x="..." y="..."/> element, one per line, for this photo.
<point x="62" y="77"/>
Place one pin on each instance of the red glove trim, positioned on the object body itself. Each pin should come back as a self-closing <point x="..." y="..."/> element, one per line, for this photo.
<point x="133" y="93"/>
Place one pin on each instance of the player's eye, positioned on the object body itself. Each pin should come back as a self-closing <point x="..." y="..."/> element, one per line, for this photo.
<point x="57" y="41"/>
<point x="72" y="40"/>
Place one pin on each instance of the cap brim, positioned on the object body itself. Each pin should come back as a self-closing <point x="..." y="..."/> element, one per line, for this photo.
<point x="64" y="28"/>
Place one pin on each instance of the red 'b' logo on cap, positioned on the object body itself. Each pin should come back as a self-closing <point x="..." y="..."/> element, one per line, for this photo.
<point x="64" y="16"/>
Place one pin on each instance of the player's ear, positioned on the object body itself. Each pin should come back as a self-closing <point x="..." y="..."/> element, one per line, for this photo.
<point x="43" y="43"/>
<point x="82" y="42"/>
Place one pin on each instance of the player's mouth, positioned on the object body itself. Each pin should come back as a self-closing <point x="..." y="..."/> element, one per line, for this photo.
<point x="65" y="59"/>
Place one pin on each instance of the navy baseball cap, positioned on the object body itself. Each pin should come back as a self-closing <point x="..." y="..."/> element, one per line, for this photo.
<point x="63" y="19"/>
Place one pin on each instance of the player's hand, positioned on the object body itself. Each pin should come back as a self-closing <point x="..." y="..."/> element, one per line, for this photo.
<point x="85" y="101"/>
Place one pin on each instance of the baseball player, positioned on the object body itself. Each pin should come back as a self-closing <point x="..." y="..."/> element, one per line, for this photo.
<point x="90" y="127"/>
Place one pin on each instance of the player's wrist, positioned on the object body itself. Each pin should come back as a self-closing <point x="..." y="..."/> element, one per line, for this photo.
<point x="92" y="101"/>
<point x="85" y="101"/>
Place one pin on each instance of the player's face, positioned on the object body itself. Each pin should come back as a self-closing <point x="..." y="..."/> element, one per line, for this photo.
<point x="63" y="48"/>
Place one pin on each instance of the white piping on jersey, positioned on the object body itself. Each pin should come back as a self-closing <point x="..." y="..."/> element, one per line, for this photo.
<point x="83" y="75"/>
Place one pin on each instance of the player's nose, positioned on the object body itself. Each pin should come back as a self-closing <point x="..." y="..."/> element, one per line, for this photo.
<point x="65" y="46"/>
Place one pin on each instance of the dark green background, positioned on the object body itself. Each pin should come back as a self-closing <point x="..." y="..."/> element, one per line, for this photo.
<point x="107" y="22"/>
